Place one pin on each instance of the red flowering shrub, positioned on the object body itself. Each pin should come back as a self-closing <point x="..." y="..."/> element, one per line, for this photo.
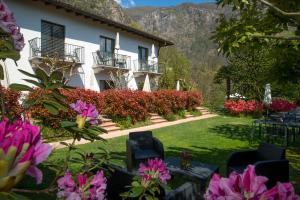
<point x="243" y="107"/>
<point x="11" y="102"/>
<point x="281" y="105"/>
<point x="124" y="103"/>
<point x="120" y="104"/>
<point x="194" y="99"/>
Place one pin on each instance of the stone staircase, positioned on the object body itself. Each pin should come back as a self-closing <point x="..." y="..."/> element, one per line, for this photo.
<point x="203" y="110"/>
<point x="156" y="119"/>
<point x="108" y="125"/>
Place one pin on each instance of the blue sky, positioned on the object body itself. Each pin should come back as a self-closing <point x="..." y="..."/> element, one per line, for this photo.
<point x="132" y="3"/>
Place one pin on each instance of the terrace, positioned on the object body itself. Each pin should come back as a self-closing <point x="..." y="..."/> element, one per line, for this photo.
<point x="42" y="48"/>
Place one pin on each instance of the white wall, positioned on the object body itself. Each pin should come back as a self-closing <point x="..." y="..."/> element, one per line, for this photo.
<point x="79" y="31"/>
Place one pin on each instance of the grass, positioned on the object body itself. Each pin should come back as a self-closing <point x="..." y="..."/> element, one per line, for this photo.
<point x="210" y="141"/>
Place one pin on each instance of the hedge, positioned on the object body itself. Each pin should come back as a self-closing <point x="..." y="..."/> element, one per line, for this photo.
<point x="11" y="102"/>
<point x="120" y="104"/>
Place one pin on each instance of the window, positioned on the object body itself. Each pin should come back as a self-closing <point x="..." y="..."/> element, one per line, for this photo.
<point x="143" y="58"/>
<point x="143" y="54"/>
<point x="107" y="44"/>
<point x="52" y="38"/>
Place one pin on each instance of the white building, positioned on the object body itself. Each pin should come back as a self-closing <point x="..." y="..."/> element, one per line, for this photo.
<point x="98" y="45"/>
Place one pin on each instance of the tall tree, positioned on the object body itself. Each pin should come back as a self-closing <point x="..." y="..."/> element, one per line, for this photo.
<point x="175" y="66"/>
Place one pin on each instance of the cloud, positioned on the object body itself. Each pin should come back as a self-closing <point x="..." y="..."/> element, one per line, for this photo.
<point x="126" y="3"/>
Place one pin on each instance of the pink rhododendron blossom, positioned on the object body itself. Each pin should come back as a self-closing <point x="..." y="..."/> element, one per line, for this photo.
<point x="247" y="186"/>
<point x="156" y="169"/>
<point x="8" y="24"/>
<point x="86" y="111"/>
<point x="282" y="191"/>
<point x="85" y="189"/>
<point x="22" y="149"/>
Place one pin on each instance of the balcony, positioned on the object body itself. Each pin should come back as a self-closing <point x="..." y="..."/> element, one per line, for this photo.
<point x="110" y="61"/>
<point x="40" y="49"/>
<point x="146" y="67"/>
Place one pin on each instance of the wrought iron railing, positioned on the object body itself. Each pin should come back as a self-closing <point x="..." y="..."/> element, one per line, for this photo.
<point x="112" y="60"/>
<point x="56" y="47"/>
<point x="147" y="66"/>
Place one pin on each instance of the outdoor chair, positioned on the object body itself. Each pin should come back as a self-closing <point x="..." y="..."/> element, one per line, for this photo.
<point x="142" y="146"/>
<point x="269" y="161"/>
<point x="104" y="58"/>
<point x="186" y="191"/>
<point x="118" y="182"/>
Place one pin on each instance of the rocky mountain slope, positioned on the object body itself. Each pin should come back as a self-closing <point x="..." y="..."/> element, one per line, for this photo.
<point x="190" y="26"/>
<point x="106" y="8"/>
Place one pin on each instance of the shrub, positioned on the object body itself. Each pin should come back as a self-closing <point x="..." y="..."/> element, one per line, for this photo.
<point x="124" y="103"/>
<point x="243" y="107"/>
<point x="121" y="104"/>
<point x="11" y="102"/>
<point x="281" y="105"/>
<point x="194" y="99"/>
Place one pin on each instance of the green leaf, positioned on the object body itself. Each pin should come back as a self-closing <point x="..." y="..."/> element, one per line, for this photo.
<point x="20" y="87"/>
<point x="136" y="192"/>
<point x="54" y="86"/>
<point x="42" y="75"/>
<point x="51" y="109"/>
<point x="57" y="105"/>
<point x="56" y="76"/>
<point x="34" y="83"/>
<point x="29" y="102"/>
<point x="27" y="73"/>
<point x="1" y="72"/>
<point x="65" y="124"/>
<point x="12" y="196"/>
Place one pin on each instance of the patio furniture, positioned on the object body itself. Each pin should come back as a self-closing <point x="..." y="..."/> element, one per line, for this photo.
<point x="142" y="146"/>
<point x="199" y="173"/>
<point x="120" y="179"/>
<point x="104" y="58"/>
<point x="187" y="191"/>
<point x="269" y="161"/>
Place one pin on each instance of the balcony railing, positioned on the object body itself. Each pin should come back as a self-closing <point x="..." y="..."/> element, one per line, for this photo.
<point x="108" y="59"/>
<point x="40" y="48"/>
<point x="147" y="66"/>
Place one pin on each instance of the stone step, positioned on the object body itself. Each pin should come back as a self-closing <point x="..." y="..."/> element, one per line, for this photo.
<point x="155" y="117"/>
<point x="105" y="120"/>
<point x="107" y="124"/>
<point x="153" y="114"/>
<point x="112" y="128"/>
<point x="157" y="121"/>
<point x="189" y="116"/>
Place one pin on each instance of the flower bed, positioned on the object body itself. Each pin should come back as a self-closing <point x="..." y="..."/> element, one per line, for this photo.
<point x="243" y="107"/>
<point x="119" y="104"/>
<point x="281" y="105"/>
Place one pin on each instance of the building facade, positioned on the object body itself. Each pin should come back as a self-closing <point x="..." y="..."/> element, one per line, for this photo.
<point x="101" y="49"/>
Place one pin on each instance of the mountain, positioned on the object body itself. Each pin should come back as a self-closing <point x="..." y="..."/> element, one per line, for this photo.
<point x="106" y="8"/>
<point x="188" y="25"/>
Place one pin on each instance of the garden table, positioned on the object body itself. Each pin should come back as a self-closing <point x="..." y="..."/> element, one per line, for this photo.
<point x="198" y="172"/>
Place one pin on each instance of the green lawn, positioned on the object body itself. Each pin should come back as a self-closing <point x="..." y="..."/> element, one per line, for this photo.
<point x="209" y="141"/>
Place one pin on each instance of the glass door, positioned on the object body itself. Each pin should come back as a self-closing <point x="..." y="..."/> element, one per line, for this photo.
<point x="52" y="39"/>
<point x="143" y="58"/>
<point x="107" y="48"/>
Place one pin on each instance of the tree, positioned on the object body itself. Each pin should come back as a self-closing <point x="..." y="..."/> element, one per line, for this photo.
<point x="175" y="66"/>
<point x="248" y="70"/>
<point x="257" y="19"/>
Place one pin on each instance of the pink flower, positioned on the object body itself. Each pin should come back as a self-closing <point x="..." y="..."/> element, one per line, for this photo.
<point x="8" y="24"/>
<point x="252" y="184"/>
<point x="22" y="150"/>
<point x="98" y="186"/>
<point x="69" y="190"/>
<point x="247" y="186"/>
<point x="155" y="167"/>
<point x="86" y="111"/>
<point x="282" y="191"/>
